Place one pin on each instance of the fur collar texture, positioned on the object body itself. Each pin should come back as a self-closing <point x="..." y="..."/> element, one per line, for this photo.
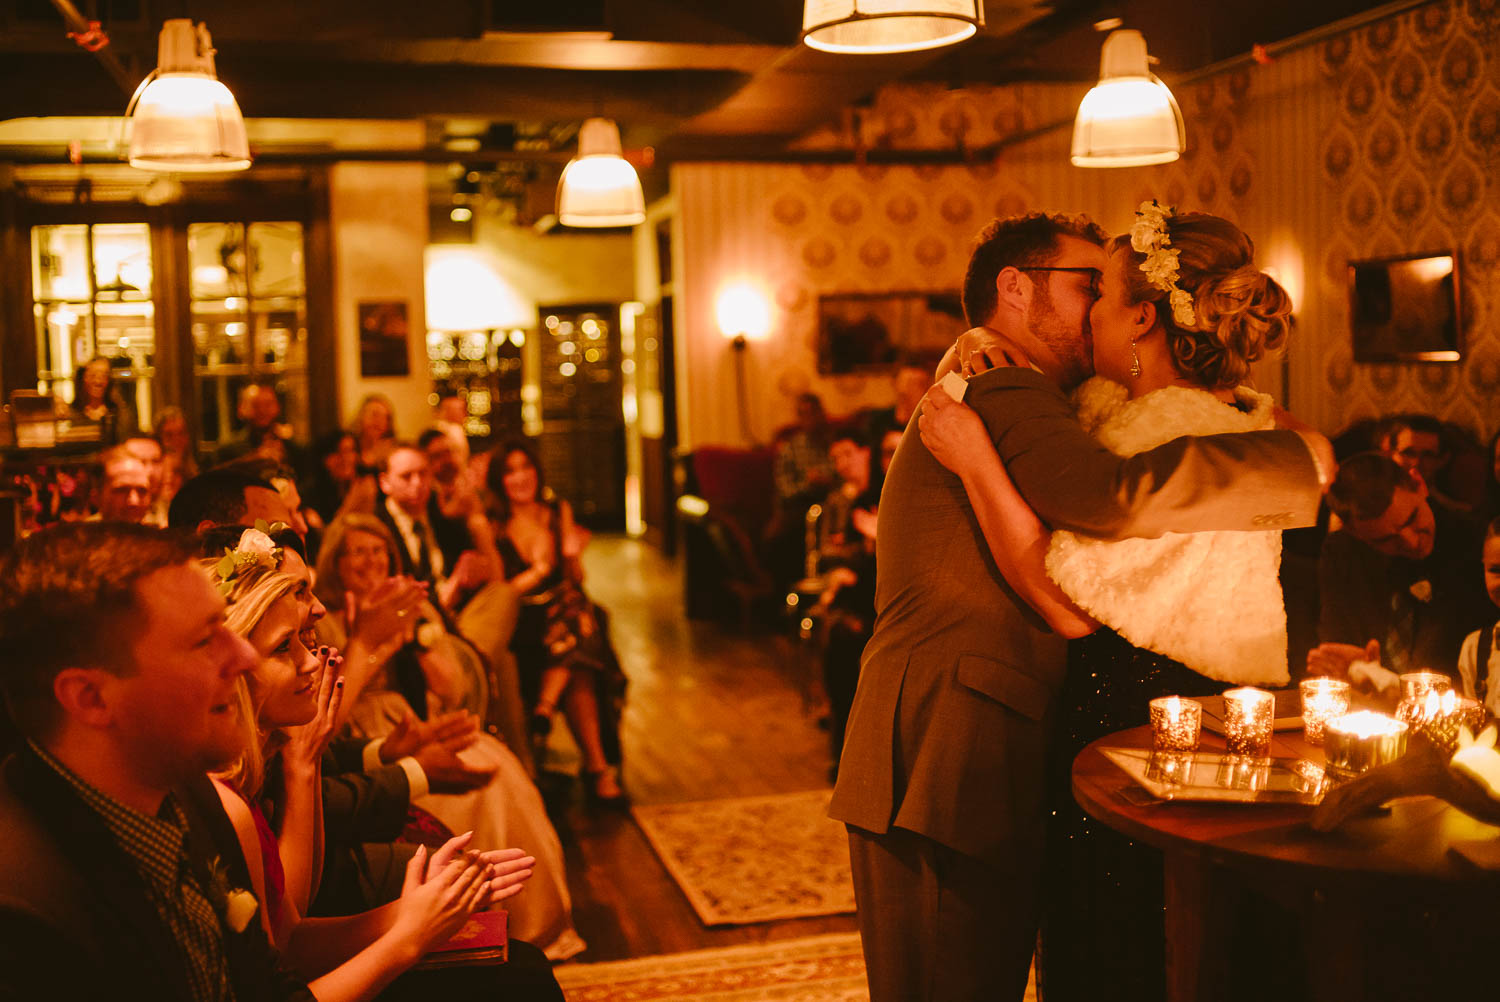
<point x="1211" y="600"/>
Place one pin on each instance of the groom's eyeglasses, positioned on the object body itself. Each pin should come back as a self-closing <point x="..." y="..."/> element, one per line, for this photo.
<point x="1094" y="274"/>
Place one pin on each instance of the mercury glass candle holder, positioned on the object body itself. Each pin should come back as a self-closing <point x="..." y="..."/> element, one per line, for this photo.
<point x="1248" y="717"/>
<point x="1176" y="724"/>
<point x="1415" y="685"/>
<point x="1355" y="742"/>
<point x="1438" y="718"/>
<point x="1322" y="698"/>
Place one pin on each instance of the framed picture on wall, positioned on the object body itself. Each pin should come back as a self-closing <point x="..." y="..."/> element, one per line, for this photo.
<point x="383" y="334"/>
<point x="867" y="331"/>
<point x="1405" y="309"/>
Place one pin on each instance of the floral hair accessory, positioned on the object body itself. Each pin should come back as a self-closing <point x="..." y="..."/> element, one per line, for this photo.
<point x="1149" y="236"/>
<point x="255" y="548"/>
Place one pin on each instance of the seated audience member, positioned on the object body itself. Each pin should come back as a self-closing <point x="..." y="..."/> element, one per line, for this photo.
<point x="98" y="399"/>
<point x="448" y="417"/>
<point x="804" y="470"/>
<point x="365" y="800"/>
<point x="562" y="640"/>
<point x="405" y="507"/>
<point x="848" y="554"/>
<point x="149" y="451"/>
<point x="454" y="509"/>
<point x="1399" y="577"/>
<point x="911" y="377"/>
<point x="374" y="425"/>
<point x="334" y="473"/>
<point x="1478" y="659"/>
<point x="1444" y="455"/>
<point x="261" y="431"/>
<point x="125" y="493"/>
<point x="287" y="710"/>
<point x="118" y="671"/>
<point x="429" y="675"/>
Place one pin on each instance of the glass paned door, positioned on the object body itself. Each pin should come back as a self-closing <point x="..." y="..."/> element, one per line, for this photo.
<point x="248" y="302"/>
<point x="92" y="295"/>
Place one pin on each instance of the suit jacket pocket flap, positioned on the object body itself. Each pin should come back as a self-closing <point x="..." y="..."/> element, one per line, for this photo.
<point x="1004" y="683"/>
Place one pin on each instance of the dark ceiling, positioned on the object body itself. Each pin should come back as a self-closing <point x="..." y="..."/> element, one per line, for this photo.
<point x="691" y="78"/>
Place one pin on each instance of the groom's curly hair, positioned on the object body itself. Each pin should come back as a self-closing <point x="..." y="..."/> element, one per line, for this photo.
<point x="1017" y="242"/>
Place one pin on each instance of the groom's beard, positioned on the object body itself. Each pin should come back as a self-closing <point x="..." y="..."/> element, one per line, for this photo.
<point x="1074" y="349"/>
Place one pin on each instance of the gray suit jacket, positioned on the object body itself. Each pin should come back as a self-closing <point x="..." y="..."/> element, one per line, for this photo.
<point x="947" y="734"/>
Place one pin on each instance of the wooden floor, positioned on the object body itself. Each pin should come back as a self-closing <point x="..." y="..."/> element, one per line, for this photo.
<point x="710" y="713"/>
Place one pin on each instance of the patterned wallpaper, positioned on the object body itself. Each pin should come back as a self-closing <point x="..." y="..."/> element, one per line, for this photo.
<point x="1412" y="155"/>
<point x="1381" y="140"/>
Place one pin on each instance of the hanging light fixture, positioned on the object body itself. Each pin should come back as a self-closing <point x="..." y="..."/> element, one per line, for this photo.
<point x="1130" y="119"/>
<point x="871" y="26"/>
<point x="181" y="117"/>
<point x="599" y="187"/>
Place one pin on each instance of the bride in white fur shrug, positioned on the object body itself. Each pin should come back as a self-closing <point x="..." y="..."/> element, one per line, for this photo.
<point x="1181" y="313"/>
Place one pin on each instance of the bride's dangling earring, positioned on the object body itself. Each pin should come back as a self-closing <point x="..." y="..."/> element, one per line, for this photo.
<point x="1135" y="362"/>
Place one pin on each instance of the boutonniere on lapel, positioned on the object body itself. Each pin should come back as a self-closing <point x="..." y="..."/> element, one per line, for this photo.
<point x="1421" y="591"/>
<point x="235" y="905"/>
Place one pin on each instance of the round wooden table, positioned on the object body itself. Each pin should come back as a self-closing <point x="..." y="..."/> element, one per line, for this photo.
<point x="1399" y="857"/>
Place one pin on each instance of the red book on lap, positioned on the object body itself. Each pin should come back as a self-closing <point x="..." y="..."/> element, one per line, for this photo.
<point x="484" y="939"/>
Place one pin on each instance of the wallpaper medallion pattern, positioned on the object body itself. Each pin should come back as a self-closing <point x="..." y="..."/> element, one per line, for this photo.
<point x="1410" y="158"/>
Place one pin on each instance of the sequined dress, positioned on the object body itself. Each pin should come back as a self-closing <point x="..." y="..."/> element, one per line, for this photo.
<point x="1102" y="921"/>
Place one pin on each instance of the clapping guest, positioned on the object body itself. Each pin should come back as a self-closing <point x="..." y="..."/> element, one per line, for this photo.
<point x="1478" y="659"/>
<point x="426" y="672"/>
<point x="179" y="464"/>
<point x="288" y="705"/>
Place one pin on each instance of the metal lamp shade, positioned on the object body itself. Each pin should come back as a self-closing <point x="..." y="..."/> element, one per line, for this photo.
<point x="188" y="122"/>
<point x="1130" y="119"/>
<point x="599" y="187"/>
<point x="875" y="26"/>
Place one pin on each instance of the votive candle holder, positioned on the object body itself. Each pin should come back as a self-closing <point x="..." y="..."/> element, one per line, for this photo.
<point x="1415" y="686"/>
<point x="1176" y="723"/>
<point x="1322" y="699"/>
<point x="1248" y="717"/>
<point x="1438" y="718"/>
<point x="1356" y="742"/>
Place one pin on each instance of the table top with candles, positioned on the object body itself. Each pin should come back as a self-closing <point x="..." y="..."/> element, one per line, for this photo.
<point x="1409" y="839"/>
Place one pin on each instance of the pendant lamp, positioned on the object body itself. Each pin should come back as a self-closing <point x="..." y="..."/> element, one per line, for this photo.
<point x="872" y="26"/>
<point x="1130" y="119"/>
<point x="599" y="187"/>
<point x="181" y="117"/>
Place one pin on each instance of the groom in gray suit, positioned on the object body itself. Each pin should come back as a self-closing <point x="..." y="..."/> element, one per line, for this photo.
<point x="940" y="782"/>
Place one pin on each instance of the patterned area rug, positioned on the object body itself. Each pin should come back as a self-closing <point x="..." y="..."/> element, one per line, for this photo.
<point x="815" y="969"/>
<point x="754" y="859"/>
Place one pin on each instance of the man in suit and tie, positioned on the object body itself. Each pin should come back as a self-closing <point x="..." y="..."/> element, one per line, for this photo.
<point x="941" y="778"/>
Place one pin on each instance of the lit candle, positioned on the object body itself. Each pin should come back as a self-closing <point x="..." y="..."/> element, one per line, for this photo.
<point x="1439" y="715"/>
<point x="1355" y="742"/>
<point x="1175" y="723"/>
<point x="1248" y="717"/>
<point x="1322" y="698"/>
<point x="1415" y="685"/>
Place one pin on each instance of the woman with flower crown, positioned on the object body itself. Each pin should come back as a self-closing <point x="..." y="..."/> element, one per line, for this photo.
<point x="287" y="707"/>
<point x="1182" y="311"/>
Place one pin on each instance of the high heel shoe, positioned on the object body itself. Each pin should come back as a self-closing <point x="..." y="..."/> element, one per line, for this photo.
<point x="601" y="788"/>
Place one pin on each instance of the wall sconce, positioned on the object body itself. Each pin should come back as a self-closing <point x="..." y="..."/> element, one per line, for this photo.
<point x="1130" y="118"/>
<point x="181" y="117"/>
<point x="599" y="187"/>
<point x="874" y="26"/>
<point x="744" y="314"/>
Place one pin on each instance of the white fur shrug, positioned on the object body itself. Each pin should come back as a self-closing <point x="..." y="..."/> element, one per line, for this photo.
<point x="1211" y="600"/>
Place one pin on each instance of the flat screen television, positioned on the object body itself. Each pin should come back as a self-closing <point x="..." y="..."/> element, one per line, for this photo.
<point x="1405" y="309"/>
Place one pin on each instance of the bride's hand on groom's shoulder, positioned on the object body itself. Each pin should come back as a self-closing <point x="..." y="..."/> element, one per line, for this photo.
<point x="952" y="431"/>
<point x="980" y="349"/>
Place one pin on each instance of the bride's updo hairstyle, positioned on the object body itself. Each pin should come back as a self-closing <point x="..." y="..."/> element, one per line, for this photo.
<point x="1241" y="313"/>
